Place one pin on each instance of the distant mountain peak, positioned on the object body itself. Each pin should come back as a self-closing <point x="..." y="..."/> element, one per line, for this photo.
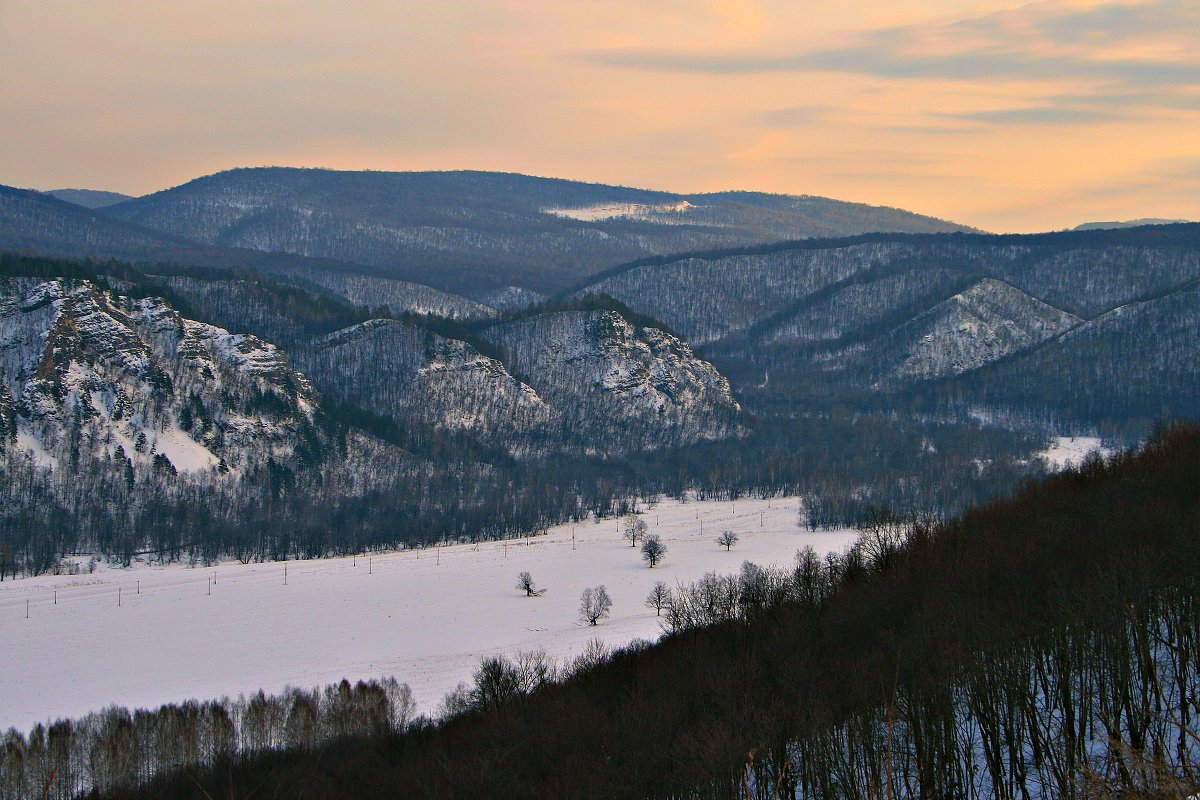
<point x="89" y="198"/>
<point x="1133" y="223"/>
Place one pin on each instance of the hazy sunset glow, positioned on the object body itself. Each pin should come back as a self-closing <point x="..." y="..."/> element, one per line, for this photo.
<point x="1010" y="117"/>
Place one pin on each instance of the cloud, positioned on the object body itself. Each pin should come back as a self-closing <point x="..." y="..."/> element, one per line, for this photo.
<point x="1152" y="43"/>
<point x="794" y="115"/>
<point x="1088" y="108"/>
<point x="1040" y="115"/>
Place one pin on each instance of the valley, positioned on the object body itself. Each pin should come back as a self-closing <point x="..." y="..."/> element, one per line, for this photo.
<point x="426" y="616"/>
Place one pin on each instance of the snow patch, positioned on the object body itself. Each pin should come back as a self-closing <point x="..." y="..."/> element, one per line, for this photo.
<point x="643" y="212"/>
<point x="1071" y="451"/>
<point x="184" y="452"/>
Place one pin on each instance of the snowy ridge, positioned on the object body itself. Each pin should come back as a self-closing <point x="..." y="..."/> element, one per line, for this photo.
<point x="985" y="323"/>
<point x="509" y="298"/>
<point x="92" y="375"/>
<point x="569" y="381"/>
<point x="399" y="296"/>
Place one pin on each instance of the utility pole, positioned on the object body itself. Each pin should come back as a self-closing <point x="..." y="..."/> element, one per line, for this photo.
<point x="118" y="597"/>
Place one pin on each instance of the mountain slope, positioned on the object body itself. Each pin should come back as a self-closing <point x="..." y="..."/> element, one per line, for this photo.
<point x="38" y="223"/>
<point x="1139" y="360"/>
<point x="45" y="225"/>
<point x="410" y="374"/>
<point x="475" y="231"/>
<point x="983" y="324"/>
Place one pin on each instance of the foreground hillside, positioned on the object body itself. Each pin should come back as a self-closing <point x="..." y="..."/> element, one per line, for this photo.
<point x="1040" y="646"/>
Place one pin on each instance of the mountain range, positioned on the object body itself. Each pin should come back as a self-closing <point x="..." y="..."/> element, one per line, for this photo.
<point x="476" y="231"/>
<point x="443" y="354"/>
<point x="835" y="318"/>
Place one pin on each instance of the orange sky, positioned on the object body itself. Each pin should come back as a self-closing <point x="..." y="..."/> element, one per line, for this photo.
<point x="1007" y="116"/>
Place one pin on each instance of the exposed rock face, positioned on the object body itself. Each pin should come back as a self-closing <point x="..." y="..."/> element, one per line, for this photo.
<point x="616" y="382"/>
<point x="586" y="381"/>
<point x="89" y="374"/>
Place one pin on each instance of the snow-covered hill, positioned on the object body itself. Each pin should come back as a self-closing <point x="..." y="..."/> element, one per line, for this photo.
<point x="983" y="324"/>
<point x="559" y="380"/>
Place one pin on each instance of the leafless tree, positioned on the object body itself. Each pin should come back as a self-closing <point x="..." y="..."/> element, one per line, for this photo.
<point x="727" y="539"/>
<point x="653" y="550"/>
<point x="635" y="528"/>
<point x="594" y="654"/>
<point x="525" y="584"/>
<point x="659" y="598"/>
<point x="594" y="604"/>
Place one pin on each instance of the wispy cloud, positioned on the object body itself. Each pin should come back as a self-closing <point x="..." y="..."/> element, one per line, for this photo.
<point x="1116" y="43"/>
<point x="1040" y="115"/>
<point x="795" y="115"/>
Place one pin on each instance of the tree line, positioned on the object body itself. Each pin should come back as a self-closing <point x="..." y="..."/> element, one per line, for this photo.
<point x="119" y="749"/>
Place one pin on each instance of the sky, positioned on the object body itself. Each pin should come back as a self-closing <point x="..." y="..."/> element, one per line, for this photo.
<point x="1005" y="116"/>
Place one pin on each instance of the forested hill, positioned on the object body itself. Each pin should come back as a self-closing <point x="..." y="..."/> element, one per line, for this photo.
<point x="1045" y="645"/>
<point x="476" y="231"/>
<point x="1006" y="323"/>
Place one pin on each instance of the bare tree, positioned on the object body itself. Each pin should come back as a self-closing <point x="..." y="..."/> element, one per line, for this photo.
<point x="635" y="528"/>
<point x="594" y="604"/>
<point x="659" y="598"/>
<point x="727" y="539"/>
<point x="653" y="550"/>
<point x="594" y="654"/>
<point x="525" y="584"/>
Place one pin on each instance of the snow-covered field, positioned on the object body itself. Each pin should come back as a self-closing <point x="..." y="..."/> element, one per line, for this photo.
<point x="426" y="617"/>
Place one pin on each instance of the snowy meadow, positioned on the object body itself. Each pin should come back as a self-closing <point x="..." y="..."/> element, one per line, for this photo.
<point x="154" y="634"/>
